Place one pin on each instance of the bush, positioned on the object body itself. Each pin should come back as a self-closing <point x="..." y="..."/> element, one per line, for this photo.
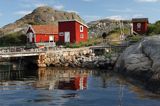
<point x="13" y="39"/>
<point x="151" y="29"/>
<point x="154" y="29"/>
<point x="108" y="55"/>
<point x="134" y="38"/>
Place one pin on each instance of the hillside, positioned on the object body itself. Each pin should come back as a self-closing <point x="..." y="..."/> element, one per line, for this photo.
<point x="107" y="25"/>
<point x="41" y="15"/>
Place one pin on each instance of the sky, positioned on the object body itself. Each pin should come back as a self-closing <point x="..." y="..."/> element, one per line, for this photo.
<point x="89" y="10"/>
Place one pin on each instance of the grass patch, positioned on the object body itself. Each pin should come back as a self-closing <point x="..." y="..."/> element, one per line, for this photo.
<point x="89" y="42"/>
<point x="134" y="38"/>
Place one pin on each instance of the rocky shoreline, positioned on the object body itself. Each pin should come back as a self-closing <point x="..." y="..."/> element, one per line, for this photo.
<point x="142" y="61"/>
<point x="81" y="57"/>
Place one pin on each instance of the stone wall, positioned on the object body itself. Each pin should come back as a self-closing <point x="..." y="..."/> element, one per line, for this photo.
<point x="81" y="57"/>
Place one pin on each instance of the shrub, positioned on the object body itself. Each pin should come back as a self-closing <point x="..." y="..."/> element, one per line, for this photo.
<point x="154" y="29"/>
<point x="13" y="39"/>
<point x="134" y="38"/>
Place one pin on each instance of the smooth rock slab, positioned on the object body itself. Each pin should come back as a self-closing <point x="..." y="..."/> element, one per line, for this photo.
<point x="141" y="59"/>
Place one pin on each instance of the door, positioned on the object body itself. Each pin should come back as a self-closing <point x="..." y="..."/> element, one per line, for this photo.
<point x="51" y="38"/>
<point x="51" y="41"/>
<point x="67" y="37"/>
<point x="31" y="40"/>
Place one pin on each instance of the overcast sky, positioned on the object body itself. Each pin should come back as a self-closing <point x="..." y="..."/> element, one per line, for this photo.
<point x="11" y="10"/>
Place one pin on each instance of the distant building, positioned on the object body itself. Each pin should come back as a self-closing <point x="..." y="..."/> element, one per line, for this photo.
<point x="72" y="31"/>
<point x="42" y="35"/>
<point x="140" y="25"/>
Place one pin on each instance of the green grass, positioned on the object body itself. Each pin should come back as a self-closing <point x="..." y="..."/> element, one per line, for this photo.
<point x="89" y="42"/>
<point x="134" y="38"/>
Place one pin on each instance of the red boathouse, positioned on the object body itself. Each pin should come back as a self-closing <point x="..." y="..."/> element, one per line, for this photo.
<point x="42" y="35"/>
<point x="72" y="31"/>
<point x="140" y="25"/>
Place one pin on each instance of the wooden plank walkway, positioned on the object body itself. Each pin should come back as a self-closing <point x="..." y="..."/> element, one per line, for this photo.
<point x="19" y="51"/>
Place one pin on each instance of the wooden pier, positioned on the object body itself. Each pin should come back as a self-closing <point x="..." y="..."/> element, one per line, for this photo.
<point x="20" y="51"/>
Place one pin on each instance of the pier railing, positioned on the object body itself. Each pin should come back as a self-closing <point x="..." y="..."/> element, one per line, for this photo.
<point x="18" y="51"/>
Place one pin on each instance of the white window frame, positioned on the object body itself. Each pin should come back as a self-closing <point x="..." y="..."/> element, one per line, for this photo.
<point x="61" y="34"/>
<point x="81" y="28"/>
<point x="81" y="35"/>
<point x="139" y="25"/>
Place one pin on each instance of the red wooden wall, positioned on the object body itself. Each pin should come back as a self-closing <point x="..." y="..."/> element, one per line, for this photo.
<point x="74" y="28"/>
<point x="67" y="27"/>
<point x="45" y="37"/>
<point x="85" y="33"/>
<point x="144" y="27"/>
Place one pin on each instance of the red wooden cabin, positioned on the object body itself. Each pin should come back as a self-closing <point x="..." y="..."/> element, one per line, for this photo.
<point x="72" y="31"/>
<point x="42" y="35"/>
<point x="140" y="25"/>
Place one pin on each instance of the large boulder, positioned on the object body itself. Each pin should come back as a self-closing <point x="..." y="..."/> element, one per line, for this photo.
<point x="141" y="60"/>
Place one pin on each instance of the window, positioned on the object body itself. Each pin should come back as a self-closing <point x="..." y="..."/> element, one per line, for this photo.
<point x="81" y="35"/>
<point x="81" y="28"/>
<point x="61" y="34"/>
<point x="139" y="26"/>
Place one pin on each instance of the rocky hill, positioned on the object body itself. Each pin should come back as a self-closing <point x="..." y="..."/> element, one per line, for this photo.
<point x="107" y="25"/>
<point x="41" y="15"/>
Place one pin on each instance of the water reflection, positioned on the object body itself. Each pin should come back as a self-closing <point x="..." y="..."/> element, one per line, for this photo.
<point x="10" y="71"/>
<point x="65" y="79"/>
<point x="71" y="87"/>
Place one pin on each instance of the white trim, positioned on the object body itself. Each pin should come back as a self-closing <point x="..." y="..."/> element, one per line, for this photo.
<point x="75" y="21"/>
<point x="30" y="26"/>
<point x="61" y="33"/>
<point x="34" y="34"/>
<point x="51" y="38"/>
<point x="31" y="36"/>
<point x="67" y="38"/>
<point x="81" y="28"/>
<point x="81" y="35"/>
<point x="34" y="37"/>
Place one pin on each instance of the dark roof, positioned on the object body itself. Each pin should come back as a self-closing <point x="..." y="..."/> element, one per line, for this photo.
<point x="140" y="20"/>
<point x="44" y="29"/>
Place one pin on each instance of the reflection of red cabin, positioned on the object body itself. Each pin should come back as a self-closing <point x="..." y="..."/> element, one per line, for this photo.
<point x="72" y="31"/>
<point x="75" y="83"/>
<point x="42" y="35"/>
<point x="140" y="25"/>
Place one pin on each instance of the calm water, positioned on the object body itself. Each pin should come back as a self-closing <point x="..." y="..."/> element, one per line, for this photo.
<point x="70" y="87"/>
